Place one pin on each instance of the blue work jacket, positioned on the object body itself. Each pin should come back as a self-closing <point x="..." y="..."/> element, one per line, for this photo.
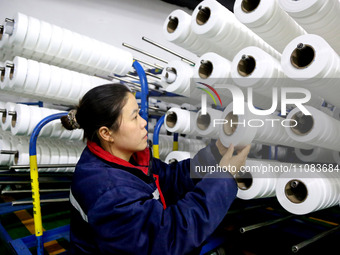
<point x="121" y="207"/>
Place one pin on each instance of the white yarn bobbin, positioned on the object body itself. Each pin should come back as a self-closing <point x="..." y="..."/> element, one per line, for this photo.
<point x="33" y="73"/>
<point x="19" y="29"/>
<point x="46" y="131"/>
<point x="177" y="156"/>
<point x="65" y="85"/>
<point x="4" y="77"/>
<point x="205" y="123"/>
<point x="23" y="156"/>
<point x="55" y="82"/>
<point x="55" y="43"/>
<point x="65" y="47"/>
<point x="21" y="120"/>
<point x="6" y="119"/>
<point x="76" y="87"/>
<point x="88" y="48"/>
<point x="44" y="79"/>
<point x="32" y="35"/>
<point x="180" y="121"/>
<point x="76" y="50"/>
<point x="36" y="117"/>
<point x="44" y="37"/>
<point x="5" y="144"/>
<point x="18" y="72"/>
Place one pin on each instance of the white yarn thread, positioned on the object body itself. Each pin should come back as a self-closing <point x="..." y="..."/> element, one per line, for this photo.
<point x="177" y="29"/>
<point x="253" y="128"/>
<point x="258" y="180"/>
<point x="213" y="21"/>
<point x="180" y="121"/>
<point x="178" y="156"/>
<point x="31" y="35"/>
<point x="319" y="17"/>
<point x="317" y="154"/>
<point x="269" y="21"/>
<point x="204" y="124"/>
<point x="310" y="60"/>
<point x="318" y="129"/>
<point x="306" y="191"/>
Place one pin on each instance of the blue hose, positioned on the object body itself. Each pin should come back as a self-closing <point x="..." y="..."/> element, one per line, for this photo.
<point x="144" y="111"/>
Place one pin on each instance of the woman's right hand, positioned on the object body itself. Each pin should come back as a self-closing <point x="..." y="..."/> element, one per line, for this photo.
<point x="234" y="163"/>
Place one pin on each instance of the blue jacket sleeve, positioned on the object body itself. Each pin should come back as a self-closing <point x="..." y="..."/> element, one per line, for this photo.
<point x="137" y="224"/>
<point x="176" y="179"/>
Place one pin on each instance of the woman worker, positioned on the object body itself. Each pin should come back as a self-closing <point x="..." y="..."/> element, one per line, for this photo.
<point x="123" y="201"/>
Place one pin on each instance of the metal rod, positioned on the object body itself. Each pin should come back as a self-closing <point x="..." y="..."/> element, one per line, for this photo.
<point x="148" y="64"/>
<point x="12" y="113"/>
<point x="299" y="246"/>
<point x="41" y="201"/>
<point x="9" y="26"/>
<point x="9" y="20"/>
<point x="263" y="224"/>
<point x="43" y="166"/>
<point x="144" y="52"/>
<point x="156" y="109"/>
<point x="188" y="62"/>
<point x="168" y="50"/>
<point x="137" y="79"/>
<point x="127" y="81"/>
<point x="10" y="65"/>
<point x="132" y="77"/>
<point x="109" y="78"/>
<point x="28" y="182"/>
<point x="8" y="152"/>
<point x="29" y="191"/>
<point x="41" y="174"/>
<point x="137" y="86"/>
<point x="153" y="75"/>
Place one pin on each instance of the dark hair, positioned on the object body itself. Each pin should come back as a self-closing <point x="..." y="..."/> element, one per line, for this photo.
<point x="100" y="106"/>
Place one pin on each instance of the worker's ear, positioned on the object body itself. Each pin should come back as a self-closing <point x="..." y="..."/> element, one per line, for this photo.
<point x="106" y="134"/>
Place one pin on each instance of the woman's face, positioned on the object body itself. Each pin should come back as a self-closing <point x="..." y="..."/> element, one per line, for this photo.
<point x="131" y="135"/>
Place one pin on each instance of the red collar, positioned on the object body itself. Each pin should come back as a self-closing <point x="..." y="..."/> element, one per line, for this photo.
<point x="141" y="157"/>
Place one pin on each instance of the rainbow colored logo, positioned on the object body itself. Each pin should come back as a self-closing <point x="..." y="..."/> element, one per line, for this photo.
<point x="209" y="93"/>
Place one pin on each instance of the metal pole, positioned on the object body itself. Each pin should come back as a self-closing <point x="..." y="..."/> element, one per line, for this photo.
<point x="144" y="52"/>
<point x="263" y="224"/>
<point x="156" y="109"/>
<point x="153" y="75"/>
<point x="132" y="77"/>
<point x="149" y="64"/>
<point x="8" y="152"/>
<point x="29" y="191"/>
<point x="41" y="201"/>
<point x="127" y="81"/>
<point x="27" y="182"/>
<point x="35" y="179"/>
<point x="168" y="50"/>
<point x="299" y="246"/>
<point x="43" y="166"/>
<point x="10" y="65"/>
